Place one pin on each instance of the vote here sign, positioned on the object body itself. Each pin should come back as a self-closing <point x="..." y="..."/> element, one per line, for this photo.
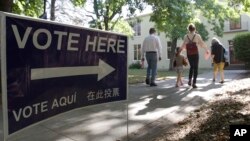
<point x="51" y="68"/>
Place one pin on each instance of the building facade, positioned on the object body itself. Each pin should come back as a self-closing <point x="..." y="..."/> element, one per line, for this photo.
<point x="142" y="26"/>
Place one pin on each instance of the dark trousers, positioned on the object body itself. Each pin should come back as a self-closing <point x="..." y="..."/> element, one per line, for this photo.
<point x="193" y="71"/>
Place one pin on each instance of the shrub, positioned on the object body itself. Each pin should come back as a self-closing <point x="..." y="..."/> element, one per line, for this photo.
<point x="136" y="65"/>
<point x="242" y="47"/>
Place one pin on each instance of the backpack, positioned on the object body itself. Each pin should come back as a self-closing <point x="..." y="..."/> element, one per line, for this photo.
<point x="191" y="47"/>
<point x="226" y="57"/>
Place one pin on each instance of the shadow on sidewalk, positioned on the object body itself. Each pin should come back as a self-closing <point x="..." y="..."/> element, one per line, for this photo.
<point x="167" y="103"/>
<point x="167" y="96"/>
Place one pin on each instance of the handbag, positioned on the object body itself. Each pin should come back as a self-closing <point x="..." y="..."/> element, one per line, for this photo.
<point x="184" y="62"/>
<point x="225" y="56"/>
<point x="174" y="64"/>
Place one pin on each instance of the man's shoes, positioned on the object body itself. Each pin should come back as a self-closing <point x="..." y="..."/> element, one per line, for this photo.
<point x="153" y="84"/>
<point x="147" y="81"/>
<point x="194" y="86"/>
<point x="222" y="82"/>
<point x="189" y="83"/>
<point x="213" y="80"/>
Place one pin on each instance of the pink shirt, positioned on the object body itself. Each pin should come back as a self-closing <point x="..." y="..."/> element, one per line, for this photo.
<point x="197" y="39"/>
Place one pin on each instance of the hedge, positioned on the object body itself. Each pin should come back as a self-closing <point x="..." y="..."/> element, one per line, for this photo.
<point x="242" y="47"/>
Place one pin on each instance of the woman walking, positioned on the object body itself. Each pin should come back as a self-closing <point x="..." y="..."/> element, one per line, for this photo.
<point x="191" y="42"/>
<point x="217" y="55"/>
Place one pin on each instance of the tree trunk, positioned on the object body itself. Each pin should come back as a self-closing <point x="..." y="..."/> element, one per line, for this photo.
<point x="52" y="10"/>
<point x="106" y="23"/>
<point x="106" y="19"/>
<point x="6" y="5"/>
<point x="172" y="54"/>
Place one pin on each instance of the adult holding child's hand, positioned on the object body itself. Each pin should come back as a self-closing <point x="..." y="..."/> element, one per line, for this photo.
<point x="191" y="42"/>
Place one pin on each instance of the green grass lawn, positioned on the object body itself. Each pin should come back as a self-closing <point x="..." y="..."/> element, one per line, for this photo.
<point x="139" y="75"/>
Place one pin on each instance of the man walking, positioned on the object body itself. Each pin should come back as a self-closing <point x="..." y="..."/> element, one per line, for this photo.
<point x="152" y="48"/>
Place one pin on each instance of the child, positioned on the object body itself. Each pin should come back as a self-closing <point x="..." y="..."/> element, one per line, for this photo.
<point x="180" y="61"/>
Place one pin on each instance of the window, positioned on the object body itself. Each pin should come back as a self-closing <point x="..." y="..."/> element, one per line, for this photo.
<point x="235" y="24"/>
<point x="137" y="29"/>
<point x="169" y="49"/>
<point x="137" y="52"/>
<point x="230" y="42"/>
<point x="232" y="57"/>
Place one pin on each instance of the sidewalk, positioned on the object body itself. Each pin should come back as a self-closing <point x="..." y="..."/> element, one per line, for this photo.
<point x="150" y="109"/>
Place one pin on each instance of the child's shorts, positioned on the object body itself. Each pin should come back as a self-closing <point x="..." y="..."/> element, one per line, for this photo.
<point x="179" y="69"/>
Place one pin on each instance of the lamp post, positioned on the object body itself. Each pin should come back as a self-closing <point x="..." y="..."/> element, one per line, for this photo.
<point x="44" y="15"/>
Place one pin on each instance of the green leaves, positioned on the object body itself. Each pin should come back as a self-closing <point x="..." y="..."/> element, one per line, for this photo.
<point x="171" y="17"/>
<point x="123" y="27"/>
<point x="80" y="3"/>
<point x="242" y="47"/>
<point x="32" y="8"/>
<point x="107" y="13"/>
<point x="240" y="5"/>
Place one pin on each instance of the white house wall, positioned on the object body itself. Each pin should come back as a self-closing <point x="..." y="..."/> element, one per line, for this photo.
<point x="145" y="26"/>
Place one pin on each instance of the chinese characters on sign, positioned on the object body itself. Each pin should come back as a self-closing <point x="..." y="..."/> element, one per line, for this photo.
<point x="103" y="94"/>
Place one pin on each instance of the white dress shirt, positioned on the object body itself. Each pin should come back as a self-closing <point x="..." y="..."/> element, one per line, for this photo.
<point x="151" y="43"/>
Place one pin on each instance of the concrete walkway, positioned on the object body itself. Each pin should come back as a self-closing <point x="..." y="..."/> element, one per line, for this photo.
<point x="147" y="111"/>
